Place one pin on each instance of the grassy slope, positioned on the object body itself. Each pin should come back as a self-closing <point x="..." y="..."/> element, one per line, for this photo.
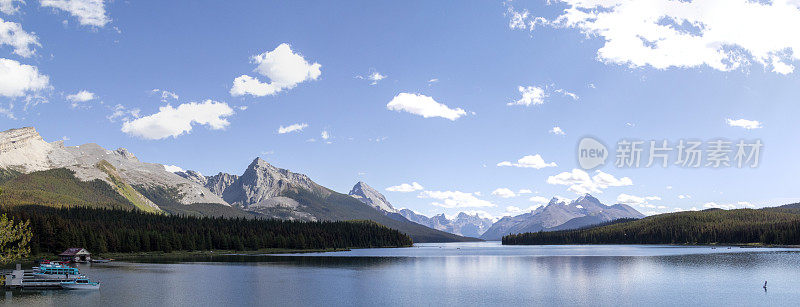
<point x="742" y="226"/>
<point x="59" y="187"/>
<point x="338" y="206"/>
<point x="124" y="189"/>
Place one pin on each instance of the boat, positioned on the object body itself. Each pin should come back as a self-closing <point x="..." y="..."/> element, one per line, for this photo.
<point x="80" y="284"/>
<point x="55" y="271"/>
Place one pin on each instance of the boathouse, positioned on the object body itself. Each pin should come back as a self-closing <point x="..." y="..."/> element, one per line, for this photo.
<point x="76" y="254"/>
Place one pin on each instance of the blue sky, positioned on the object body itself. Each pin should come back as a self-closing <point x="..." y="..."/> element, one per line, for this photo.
<point x="675" y="84"/>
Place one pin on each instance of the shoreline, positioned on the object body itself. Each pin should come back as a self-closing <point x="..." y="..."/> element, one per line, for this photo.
<point x="743" y="245"/>
<point x="192" y="254"/>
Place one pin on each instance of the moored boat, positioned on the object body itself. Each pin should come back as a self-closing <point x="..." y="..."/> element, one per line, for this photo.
<point x="80" y="284"/>
<point x="51" y="271"/>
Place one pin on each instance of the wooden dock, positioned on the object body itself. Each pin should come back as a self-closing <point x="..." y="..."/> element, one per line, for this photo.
<point x="24" y="279"/>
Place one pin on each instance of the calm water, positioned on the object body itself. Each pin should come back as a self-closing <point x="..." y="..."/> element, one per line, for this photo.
<point x="451" y="274"/>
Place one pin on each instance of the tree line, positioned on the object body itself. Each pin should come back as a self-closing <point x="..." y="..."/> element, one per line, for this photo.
<point x="741" y="226"/>
<point x="117" y="230"/>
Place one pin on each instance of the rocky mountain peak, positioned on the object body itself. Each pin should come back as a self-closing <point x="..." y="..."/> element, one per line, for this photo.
<point x="556" y="201"/>
<point x="371" y="197"/>
<point x="193" y="176"/>
<point x="589" y="203"/>
<point x="126" y="154"/>
<point x="14" y="138"/>
<point x="262" y="181"/>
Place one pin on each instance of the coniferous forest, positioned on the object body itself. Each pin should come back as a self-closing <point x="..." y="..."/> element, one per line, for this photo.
<point x="771" y="226"/>
<point x="125" y="231"/>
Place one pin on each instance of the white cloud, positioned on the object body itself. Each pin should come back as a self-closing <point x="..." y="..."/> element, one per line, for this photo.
<point x="580" y="182"/>
<point x="504" y="193"/>
<point x="81" y="96"/>
<point x="89" y="12"/>
<point x="284" y="68"/>
<point x="522" y="20"/>
<point x="531" y="95"/>
<point x="724" y="35"/>
<point x="744" y="123"/>
<point x="745" y="204"/>
<point x="737" y="205"/>
<point x="684" y="196"/>
<point x="325" y="134"/>
<point x="8" y="7"/>
<point x="557" y="131"/>
<point x="529" y="161"/>
<point x="23" y="43"/>
<point x="170" y="121"/>
<point x="524" y="191"/>
<point x="536" y="95"/>
<point x="434" y="80"/>
<point x="455" y="199"/>
<point x="374" y="77"/>
<point x="514" y="210"/>
<point x="405" y="187"/>
<point x="292" y="128"/>
<point x="165" y="95"/>
<point x="669" y="187"/>
<point x="423" y="106"/>
<point x="719" y="206"/>
<point x="635" y="200"/>
<point x="567" y="93"/>
<point x="539" y="199"/>
<point x="172" y="168"/>
<point x="18" y="80"/>
<point x="121" y="112"/>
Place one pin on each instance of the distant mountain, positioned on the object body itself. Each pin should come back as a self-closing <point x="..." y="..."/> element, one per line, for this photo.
<point x="560" y="215"/>
<point x="463" y="224"/>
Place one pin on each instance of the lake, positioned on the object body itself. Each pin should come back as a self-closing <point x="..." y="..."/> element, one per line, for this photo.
<point x="484" y="273"/>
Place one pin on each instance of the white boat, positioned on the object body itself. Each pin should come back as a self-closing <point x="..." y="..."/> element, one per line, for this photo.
<point x="55" y="271"/>
<point x="80" y="284"/>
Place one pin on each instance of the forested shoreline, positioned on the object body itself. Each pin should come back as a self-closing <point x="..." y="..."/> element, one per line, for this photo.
<point x="768" y="226"/>
<point x="128" y="231"/>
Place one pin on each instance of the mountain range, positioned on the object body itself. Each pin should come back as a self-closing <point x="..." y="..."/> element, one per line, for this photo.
<point x="37" y="172"/>
<point x="559" y="214"/>
<point x="463" y="224"/>
<point x="33" y="171"/>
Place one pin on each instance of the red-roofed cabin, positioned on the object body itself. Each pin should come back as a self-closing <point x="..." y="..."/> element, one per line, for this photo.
<point x="76" y="254"/>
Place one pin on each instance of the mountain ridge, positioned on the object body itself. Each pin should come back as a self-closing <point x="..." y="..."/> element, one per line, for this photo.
<point x="559" y="215"/>
<point x="262" y="190"/>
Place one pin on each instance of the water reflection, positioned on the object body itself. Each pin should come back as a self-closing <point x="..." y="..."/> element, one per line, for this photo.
<point x="455" y="274"/>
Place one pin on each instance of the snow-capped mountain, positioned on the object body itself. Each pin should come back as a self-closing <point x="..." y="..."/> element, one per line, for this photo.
<point x="559" y="215"/>
<point x="463" y="224"/>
